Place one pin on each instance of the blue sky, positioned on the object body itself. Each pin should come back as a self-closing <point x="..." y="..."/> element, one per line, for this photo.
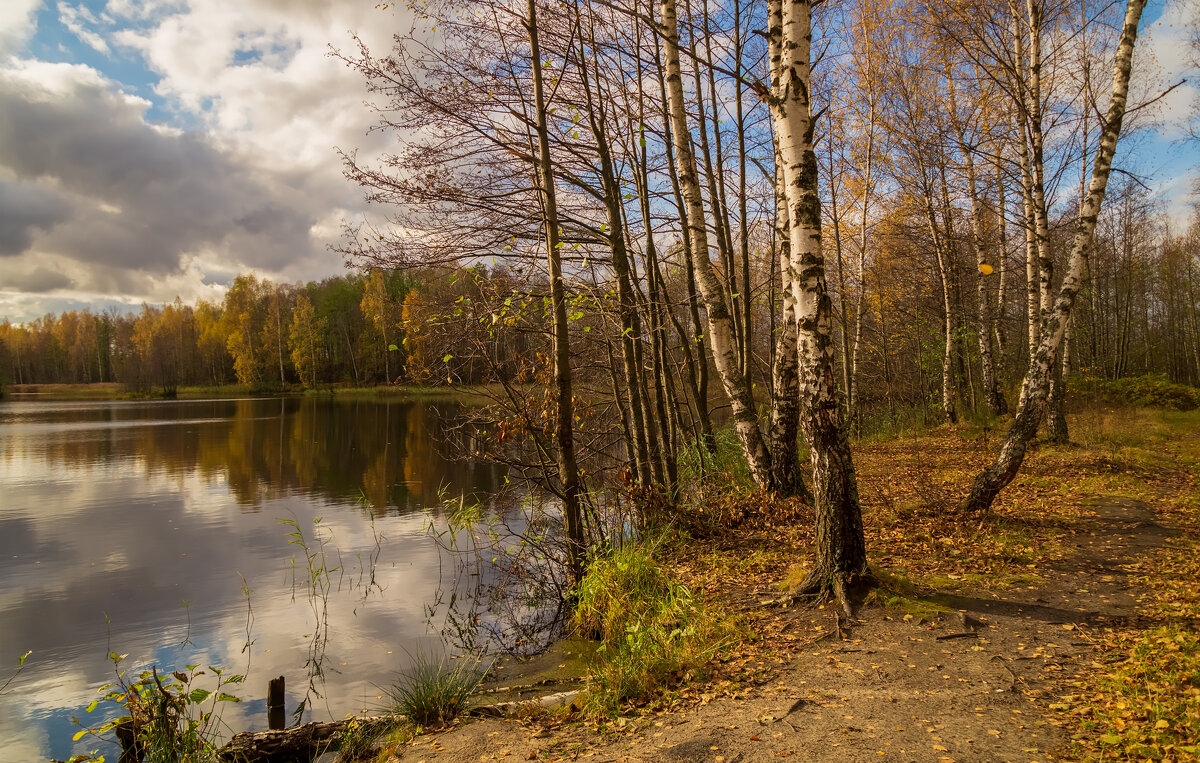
<point x="155" y="148"/>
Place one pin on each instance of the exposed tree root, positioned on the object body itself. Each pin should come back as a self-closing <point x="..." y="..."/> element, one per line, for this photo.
<point x="847" y="588"/>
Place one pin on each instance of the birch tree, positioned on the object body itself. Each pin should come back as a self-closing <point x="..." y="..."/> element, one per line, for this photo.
<point x="568" y="469"/>
<point x="722" y="339"/>
<point x="840" y="552"/>
<point x="1053" y="324"/>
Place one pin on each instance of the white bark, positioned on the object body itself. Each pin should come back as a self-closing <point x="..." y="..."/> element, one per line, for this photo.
<point x="720" y="322"/>
<point x="840" y="548"/>
<point x="990" y="481"/>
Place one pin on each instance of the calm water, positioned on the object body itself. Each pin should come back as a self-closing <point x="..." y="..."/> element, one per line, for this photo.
<point x="114" y="514"/>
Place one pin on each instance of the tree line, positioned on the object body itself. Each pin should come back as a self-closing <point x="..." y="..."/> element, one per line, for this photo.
<point x="379" y="327"/>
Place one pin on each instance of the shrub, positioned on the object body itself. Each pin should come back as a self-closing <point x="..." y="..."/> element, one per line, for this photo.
<point x="163" y="717"/>
<point x="1151" y="391"/>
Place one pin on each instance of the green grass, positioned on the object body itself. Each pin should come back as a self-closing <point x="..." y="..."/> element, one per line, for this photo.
<point x="650" y="627"/>
<point x="720" y="461"/>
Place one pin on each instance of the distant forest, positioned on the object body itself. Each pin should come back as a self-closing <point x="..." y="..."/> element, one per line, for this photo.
<point x="958" y="220"/>
<point x="386" y="326"/>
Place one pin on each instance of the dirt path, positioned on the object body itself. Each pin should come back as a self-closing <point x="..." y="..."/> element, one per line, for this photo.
<point x="977" y="682"/>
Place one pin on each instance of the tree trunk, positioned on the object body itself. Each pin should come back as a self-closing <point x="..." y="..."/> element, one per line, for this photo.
<point x="1001" y="284"/>
<point x="942" y="249"/>
<point x="697" y="362"/>
<point x="992" y="394"/>
<point x="627" y="307"/>
<point x="991" y="480"/>
<point x="568" y="470"/>
<point x="720" y="323"/>
<point x="840" y="556"/>
<point x="1056" y="413"/>
<point x="785" y="371"/>
<point x="743" y="214"/>
<point x="785" y="375"/>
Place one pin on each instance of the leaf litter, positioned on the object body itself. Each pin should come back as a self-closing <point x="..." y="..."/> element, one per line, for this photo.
<point x="1080" y="591"/>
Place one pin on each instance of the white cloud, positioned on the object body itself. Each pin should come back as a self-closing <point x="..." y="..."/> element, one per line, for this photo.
<point x="17" y="24"/>
<point x="78" y="19"/>
<point x="1165" y="58"/>
<point x="262" y="77"/>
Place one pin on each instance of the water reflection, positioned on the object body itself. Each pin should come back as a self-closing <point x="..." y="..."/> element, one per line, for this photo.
<point x="113" y="515"/>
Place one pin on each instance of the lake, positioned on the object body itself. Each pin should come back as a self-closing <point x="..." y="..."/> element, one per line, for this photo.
<point x="161" y="530"/>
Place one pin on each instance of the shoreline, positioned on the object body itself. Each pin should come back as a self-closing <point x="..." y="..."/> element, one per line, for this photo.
<point x="112" y="391"/>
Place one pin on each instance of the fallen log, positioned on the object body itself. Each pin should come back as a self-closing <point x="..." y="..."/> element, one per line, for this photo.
<point x="300" y="744"/>
<point x="548" y="702"/>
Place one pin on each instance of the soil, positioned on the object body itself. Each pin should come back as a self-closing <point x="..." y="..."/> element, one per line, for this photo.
<point x="975" y="679"/>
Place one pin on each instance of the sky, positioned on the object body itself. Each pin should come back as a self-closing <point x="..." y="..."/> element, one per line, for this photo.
<point x="156" y="148"/>
<point x="151" y="149"/>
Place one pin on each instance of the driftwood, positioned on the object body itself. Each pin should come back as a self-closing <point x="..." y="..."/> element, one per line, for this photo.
<point x="303" y="743"/>
<point x="300" y="743"/>
<point x="549" y="702"/>
<point x="527" y="687"/>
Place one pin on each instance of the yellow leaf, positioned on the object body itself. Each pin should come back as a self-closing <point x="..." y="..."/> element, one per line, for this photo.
<point x="985" y="268"/>
<point x="1162" y="725"/>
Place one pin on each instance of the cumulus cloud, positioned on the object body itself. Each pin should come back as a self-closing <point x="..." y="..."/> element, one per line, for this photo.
<point x="141" y="198"/>
<point x="225" y="164"/>
<point x="26" y="208"/>
<point x="17" y="23"/>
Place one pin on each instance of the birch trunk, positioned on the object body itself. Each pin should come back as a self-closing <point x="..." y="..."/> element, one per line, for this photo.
<point x="785" y="372"/>
<point x="1056" y="421"/>
<point x="1002" y="282"/>
<point x="860" y="303"/>
<point x="993" y="395"/>
<point x="663" y="382"/>
<point x="941" y="246"/>
<point x="743" y="213"/>
<point x="1056" y="408"/>
<point x="840" y="552"/>
<point x="1032" y="303"/>
<point x="991" y="480"/>
<point x="697" y="362"/>
<point x="720" y="323"/>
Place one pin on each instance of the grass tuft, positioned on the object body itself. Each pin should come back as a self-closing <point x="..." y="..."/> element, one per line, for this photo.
<point x="432" y="692"/>
<point x="720" y="461"/>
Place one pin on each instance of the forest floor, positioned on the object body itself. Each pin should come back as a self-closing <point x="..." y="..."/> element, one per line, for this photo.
<point x="1063" y="626"/>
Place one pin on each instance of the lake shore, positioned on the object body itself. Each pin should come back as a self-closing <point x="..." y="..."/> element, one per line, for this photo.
<point x="1021" y="637"/>
<point x="113" y="391"/>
